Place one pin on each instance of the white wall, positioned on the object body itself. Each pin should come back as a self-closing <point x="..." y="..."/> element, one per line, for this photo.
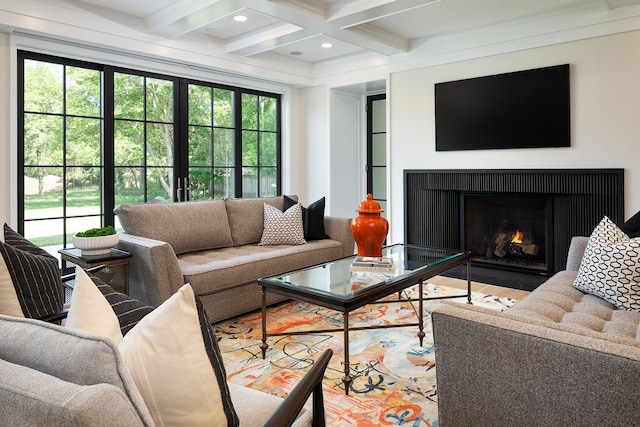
<point x="605" y="115"/>
<point x="310" y="144"/>
<point x="348" y="155"/>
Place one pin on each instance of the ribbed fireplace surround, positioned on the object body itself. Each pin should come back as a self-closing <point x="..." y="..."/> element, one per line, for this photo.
<point x="579" y="197"/>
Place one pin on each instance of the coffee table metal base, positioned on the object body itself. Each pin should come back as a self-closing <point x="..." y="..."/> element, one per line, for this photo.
<point x="347" y="379"/>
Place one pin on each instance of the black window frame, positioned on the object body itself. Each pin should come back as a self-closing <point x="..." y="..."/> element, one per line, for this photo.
<point x="180" y="105"/>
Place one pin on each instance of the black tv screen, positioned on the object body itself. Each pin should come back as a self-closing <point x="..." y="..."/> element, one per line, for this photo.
<point x="522" y="109"/>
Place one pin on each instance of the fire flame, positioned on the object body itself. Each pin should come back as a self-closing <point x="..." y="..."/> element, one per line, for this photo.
<point x="517" y="238"/>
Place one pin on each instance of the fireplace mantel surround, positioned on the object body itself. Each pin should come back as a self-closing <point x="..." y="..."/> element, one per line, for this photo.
<point x="579" y="197"/>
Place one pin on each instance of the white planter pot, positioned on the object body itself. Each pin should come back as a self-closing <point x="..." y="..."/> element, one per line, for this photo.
<point x="99" y="245"/>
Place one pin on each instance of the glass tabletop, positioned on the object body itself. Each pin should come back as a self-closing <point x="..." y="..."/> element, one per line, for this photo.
<point x="336" y="278"/>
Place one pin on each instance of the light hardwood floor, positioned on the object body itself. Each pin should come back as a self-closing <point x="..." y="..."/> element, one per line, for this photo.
<point x="484" y="288"/>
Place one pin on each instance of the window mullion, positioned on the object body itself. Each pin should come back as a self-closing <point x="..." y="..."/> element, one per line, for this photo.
<point x="237" y="116"/>
<point x="108" y="149"/>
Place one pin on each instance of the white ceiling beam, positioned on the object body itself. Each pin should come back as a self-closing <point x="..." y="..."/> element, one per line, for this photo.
<point x="263" y="41"/>
<point x="189" y="15"/>
<point x="342" y="28"/>
<point x="369" y="10"/>
<point x="347" y="21"/>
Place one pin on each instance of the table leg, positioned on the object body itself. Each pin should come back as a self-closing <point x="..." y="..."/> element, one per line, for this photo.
<point x="469" y="282"/>
<point x="347" y="370"/>
<point x="421" y="333"/>
<point x="264" y="344"/>
<point x="126" y="278"/>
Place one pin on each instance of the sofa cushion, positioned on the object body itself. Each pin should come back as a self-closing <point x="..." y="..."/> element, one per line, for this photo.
<point x="68" y="355"/>
<point x="282" y="228"/>
<point x="610" y="267"/>
<point x="212" y="271"/>
<point x="312" y="218"/>
<point x="186" y="226"/>
<point x="262" y="407"/>
<point x="558" y="301"/>
<point x="173" y="357"/>
<point x="246" y="218"/>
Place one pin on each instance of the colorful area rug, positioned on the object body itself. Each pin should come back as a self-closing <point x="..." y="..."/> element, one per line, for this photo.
<point x="394" y="379"/>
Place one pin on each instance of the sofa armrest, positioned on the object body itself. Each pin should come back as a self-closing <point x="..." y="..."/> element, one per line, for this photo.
<point x="154" y="272"/>
<point x="32" y="398"/>
<point x="339" y="229"/>
<point x="576" y="251"/>
<point x="496" y="369"/>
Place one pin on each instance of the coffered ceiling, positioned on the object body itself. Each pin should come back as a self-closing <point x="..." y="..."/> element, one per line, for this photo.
<point x="299" y="28"/>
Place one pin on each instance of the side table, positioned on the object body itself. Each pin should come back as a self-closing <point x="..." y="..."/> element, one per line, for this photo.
<point x="113" y="262"/>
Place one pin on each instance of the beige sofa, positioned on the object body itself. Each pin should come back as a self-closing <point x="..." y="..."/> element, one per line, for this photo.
<point x="213" y="245"/>
<point x="559" y="357"/>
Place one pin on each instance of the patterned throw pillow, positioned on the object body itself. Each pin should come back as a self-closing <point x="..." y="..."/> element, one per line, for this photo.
<point x="16" y="240"/>
<point x="129" y="311"/>
<point x="282" y="228"/>
<point x="27" y="274"/>
<point x="610" y="267"/>
<point x="35" y="280"/>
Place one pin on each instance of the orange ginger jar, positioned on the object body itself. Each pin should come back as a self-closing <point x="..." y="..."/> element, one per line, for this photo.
<point x="369" y="229"/>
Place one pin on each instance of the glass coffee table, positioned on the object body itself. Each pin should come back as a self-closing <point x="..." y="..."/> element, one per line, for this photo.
<point x="332" y="285"/>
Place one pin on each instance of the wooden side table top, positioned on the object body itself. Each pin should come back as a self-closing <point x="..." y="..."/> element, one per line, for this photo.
<point x="73" y="254"/>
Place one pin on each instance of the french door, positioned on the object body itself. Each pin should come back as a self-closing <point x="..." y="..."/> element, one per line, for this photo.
<point x="91" y="137"/>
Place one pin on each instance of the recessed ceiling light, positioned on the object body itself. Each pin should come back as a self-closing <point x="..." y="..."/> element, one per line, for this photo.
<point x="326" y="45"/>
<point x="240" y="18"/>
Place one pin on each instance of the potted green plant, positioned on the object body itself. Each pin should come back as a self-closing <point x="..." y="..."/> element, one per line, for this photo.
<point x="96" y="241"/>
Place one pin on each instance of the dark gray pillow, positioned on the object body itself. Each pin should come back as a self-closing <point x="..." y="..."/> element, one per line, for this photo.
<point x="128" y="310"/>
<point x="217" y="364"/>
<point x="36" y="279"/>
<point x="312" y="218"/>
<point x="16" y="240"/>
<point x="631" y="227"/>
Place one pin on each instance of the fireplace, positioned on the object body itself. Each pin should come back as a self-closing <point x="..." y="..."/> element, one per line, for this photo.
<point x="508" y="231"/>
<point x="570" y="201"/>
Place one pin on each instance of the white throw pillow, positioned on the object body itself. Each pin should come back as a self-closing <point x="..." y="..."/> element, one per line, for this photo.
<point x="166" y="355"/>
<point x="283" y="228"/>
<point x="610" y="267"/>
<point x="89" y="311"/>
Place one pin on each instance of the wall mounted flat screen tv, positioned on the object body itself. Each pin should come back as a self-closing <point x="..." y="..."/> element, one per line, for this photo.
<point x="522" y="109"/>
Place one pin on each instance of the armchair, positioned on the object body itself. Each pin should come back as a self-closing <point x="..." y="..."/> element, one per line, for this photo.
<point x="83" y="379"/>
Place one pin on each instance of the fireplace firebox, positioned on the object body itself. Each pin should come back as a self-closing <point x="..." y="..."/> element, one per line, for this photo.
<point x="508" y="231"/>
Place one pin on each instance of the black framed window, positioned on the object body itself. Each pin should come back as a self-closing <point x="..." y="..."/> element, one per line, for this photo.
<point x="233" y="142"/>
<point x="377" y="148"/>
<point x="92" y="136"/>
